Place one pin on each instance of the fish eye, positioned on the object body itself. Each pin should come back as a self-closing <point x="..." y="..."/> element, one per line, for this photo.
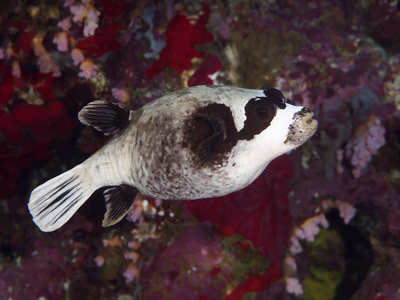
<point x="261" y="111"/>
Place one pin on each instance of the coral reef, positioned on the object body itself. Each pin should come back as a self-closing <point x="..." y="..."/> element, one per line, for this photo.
<point x="322" y="222"/>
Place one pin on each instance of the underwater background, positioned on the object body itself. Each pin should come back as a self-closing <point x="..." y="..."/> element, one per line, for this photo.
<point x="322" y="222"/>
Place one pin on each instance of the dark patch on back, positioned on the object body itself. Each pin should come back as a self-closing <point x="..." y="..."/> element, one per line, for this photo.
<point x="207" y="147"/>
<point x="201" y="129"/>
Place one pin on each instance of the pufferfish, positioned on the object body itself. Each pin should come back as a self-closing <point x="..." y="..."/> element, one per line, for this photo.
<point x="194" y="143"/>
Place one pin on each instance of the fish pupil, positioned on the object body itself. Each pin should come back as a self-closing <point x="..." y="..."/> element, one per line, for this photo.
<point x="261" y="111"/>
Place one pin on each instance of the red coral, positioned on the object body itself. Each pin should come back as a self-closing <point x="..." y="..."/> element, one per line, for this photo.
<point x="6" y="84"/>
<point x="11" y="163"/>
<point x="257" y="282"/>
<point x="44" y="122"/>
<point x="112" y="9"/>
<point x="29" y="129"/>
<point x="259" y="212"/>
<point x="102" y="42"/>
<point x="8" y="177"/>
<point x="24" y="42"/>
<point x="11" y="130"/>
<point x="243" y="245"/>
<point x="215" y="271"/>
<point x="209" y="66"/>
<point x="20" y="25"/>
<point x="43" y="84"/>
<point x="226" y="230"/>
<point x="181" y="37"/>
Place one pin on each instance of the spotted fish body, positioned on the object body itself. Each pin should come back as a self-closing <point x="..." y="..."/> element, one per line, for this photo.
<point x="198" y="142"/>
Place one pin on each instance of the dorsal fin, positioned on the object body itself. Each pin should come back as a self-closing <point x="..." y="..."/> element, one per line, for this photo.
<point x="105" y="116"/>
<point x="119" y="200"/>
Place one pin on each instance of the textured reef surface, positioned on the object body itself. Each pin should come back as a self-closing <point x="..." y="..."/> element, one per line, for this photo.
<point x="322" y="222"/>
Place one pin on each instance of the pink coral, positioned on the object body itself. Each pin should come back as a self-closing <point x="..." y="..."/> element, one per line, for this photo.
<point x="346" y="210"/>
<point x="77" y="56"/>
<point x="91" y="22"/>
<point x="132" y="256"/>
<point x="87" y="13"/>
<point x="68" y="3"/>
<point x="366" y="141"/>
<point x="293" y="286"/>
<point x="79" y="12"/>
<point x="131" y="272"/>
<point x="99" y="259"/>
<point x="307" y="231"/>
<point x="88" y="69"/>
<point x="65" y="24"/>
<point x="16" y="69"/>
<point x="61" y="39"/>
<point x="45" y="62"/>
<point x="120" y="94"/>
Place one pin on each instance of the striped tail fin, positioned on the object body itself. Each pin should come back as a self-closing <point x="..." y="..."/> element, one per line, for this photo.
<point x="53" y="203"/>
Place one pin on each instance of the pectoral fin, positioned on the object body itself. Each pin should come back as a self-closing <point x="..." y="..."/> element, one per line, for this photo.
<point x="206" y="147"/>
<point x="105" y="116"/>
<point x="119" y="200"/>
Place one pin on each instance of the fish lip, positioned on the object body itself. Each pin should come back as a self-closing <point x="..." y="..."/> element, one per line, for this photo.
<point x="312" y="123"/>
<point x="308" y="118"/>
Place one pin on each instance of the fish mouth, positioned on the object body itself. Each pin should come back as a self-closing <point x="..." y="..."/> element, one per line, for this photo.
<point x="302" y="128"/>
<point x="309" y="121"/>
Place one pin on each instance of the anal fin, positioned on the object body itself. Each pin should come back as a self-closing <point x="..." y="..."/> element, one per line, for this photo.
<point x="119" y="200"/>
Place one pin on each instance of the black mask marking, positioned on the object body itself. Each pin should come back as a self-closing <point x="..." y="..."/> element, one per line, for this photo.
<point x="259" y="113"/>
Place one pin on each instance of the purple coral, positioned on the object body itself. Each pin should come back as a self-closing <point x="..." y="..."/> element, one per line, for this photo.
<point x="184" y="269"/>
